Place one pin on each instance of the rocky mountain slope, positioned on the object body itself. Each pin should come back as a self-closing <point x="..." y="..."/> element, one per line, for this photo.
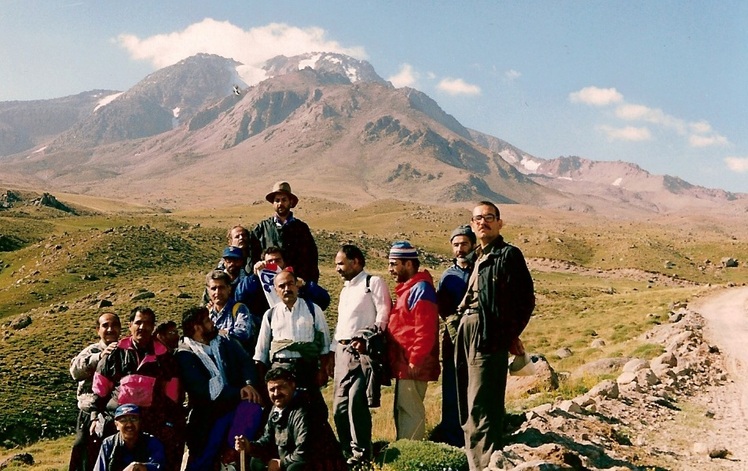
<point x="328" y="123"/>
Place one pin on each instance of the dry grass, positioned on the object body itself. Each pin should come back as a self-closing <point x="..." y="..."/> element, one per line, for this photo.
<point x="49" y="255"/>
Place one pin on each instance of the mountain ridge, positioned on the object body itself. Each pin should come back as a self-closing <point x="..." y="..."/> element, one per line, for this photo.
<point x="345" y="132"/>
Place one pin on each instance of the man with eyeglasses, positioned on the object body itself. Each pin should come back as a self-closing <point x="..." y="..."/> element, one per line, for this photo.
<point x="496" y="309"/>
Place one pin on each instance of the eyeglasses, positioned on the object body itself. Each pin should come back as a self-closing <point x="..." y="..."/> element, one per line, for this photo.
<point x="484" y="217"/>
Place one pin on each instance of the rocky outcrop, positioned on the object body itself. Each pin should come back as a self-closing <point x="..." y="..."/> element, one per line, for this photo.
<point x="606" y="428"/>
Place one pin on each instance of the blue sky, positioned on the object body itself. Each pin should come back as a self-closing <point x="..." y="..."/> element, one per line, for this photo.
<point x="658" y="83"/>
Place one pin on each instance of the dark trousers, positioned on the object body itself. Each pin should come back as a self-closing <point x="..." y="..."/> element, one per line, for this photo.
<point x="481" y="386"/>
<point x="350" y="405"/>
<point x="449" y="430"/>
<point x="86" y="446"/>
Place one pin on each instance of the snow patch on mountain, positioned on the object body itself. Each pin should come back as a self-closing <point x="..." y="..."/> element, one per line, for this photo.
<point x="617" y="182"/>
<point x="106" y="100"/>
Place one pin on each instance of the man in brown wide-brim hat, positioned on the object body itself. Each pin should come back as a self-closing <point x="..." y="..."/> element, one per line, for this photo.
<point x="285" y="231"/>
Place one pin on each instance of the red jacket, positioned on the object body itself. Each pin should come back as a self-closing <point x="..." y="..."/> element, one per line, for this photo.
<point x="413" y="330"/>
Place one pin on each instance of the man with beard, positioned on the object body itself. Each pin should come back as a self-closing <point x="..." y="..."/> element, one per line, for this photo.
<point x="451" y="290"/>
<point x="494" y="312"/>
<point x="144" y="372"/>
<point x="363" y="312"/>
<point x="130" y="449"/>
<point x="297" y="437"/>
<point x="220" y="380"/>
<point x="285" y="231"/>
<point x="82" y="368"/>
<point x="413" y="340"/>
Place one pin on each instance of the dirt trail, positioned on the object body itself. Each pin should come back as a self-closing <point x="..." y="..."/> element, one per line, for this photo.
<point x="726" y="314"/>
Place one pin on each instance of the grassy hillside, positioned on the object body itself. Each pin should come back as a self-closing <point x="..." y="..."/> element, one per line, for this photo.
<point x="57" y="268"/>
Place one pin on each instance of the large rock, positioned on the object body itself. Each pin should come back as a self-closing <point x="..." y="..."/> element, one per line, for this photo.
<point x="544" y="379"/>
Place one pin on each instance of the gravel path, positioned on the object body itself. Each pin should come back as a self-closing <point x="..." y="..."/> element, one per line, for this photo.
<point x="726" y="314"/>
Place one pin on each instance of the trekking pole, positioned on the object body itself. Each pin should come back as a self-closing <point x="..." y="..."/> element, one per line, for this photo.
<point x="242" y="465"/>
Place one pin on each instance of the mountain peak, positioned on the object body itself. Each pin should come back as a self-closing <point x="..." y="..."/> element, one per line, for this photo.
<point x="354" y="70"/>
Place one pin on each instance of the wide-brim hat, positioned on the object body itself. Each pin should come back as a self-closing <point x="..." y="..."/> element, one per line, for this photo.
<point x="282" y="187"/>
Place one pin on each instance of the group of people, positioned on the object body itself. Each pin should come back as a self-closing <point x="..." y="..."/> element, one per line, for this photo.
<point x="246" y="374"/>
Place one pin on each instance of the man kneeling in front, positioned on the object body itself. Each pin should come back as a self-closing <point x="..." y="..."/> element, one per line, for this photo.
<point x="130" y="449"/>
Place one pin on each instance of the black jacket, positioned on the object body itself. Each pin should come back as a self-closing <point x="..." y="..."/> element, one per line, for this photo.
<point x="296" y="240"/>
<point x="301" y="434"/>
<point x="506" y="297"/>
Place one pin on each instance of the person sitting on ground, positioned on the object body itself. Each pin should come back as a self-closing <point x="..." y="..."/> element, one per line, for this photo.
<point x="297" y="435"/>
<point x="130" y="449"/>
<point x="220" y="380"/>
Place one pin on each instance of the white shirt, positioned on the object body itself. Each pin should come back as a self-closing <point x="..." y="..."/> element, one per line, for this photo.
<point x="359" y="309"/>
<point x="297" y="324"/>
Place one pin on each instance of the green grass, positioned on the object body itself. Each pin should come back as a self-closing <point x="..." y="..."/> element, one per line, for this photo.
<point x="56" y="268"/>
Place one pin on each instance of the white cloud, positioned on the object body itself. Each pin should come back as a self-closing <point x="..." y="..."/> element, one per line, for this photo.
<point x="251" y="47"/>
<point x="628" y="133"/>
<point x="699" y="134"/>
<point x="458" y="86"/>
<point x="512" y="75"/>
<point x="712" y="140"/>
<point x="596" y="96"/>
<point x="406" y="77"/>
<point x="737" y="164"/>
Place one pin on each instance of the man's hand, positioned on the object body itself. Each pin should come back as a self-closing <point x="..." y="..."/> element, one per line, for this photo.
<point x="516" y="347"/>
<point x="358" y="345"/>
<point x="250" y="394"/>
<point x="108" y="350"/>
<point x="259" y="266"/>
<point x="414" y="370"/>
<point x="274" y="465"/>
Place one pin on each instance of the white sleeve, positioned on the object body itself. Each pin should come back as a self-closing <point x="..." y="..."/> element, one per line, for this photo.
<point x="262" y="350"/>
<point x="380" y="293"/>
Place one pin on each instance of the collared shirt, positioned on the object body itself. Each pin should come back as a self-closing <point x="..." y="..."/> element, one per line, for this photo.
<point x="296" y="324"/>
<point x="278" y="222"/>
<point x="237" y="324"/>
<point x="360" y="308"/>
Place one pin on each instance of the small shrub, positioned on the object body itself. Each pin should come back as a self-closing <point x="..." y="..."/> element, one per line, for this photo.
<point x="412" y="455"/>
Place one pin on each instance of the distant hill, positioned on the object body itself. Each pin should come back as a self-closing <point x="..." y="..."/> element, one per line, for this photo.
<point x="327" y="123"/>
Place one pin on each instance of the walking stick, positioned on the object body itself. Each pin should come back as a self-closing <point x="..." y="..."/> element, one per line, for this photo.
<point x="242" y="465"/>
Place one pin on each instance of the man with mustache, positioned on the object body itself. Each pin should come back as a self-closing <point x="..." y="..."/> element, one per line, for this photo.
<point x="297" y="435"/>
<point x="413" y="339"/>
<point x="287" y="232"/>
<point x="294" y="334"/>
<point x="82" y="368"/>
<point x="221" y="384"/>
<point x="142" y="371"/>
<point x="494" y="312"/>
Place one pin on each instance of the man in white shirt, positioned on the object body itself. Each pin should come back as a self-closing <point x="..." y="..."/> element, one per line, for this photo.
<point x="294" y="333"/>
<point x="363" y="311"/>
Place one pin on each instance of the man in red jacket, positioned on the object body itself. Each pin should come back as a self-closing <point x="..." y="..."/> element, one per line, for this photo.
<point x="413" y="335"/>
